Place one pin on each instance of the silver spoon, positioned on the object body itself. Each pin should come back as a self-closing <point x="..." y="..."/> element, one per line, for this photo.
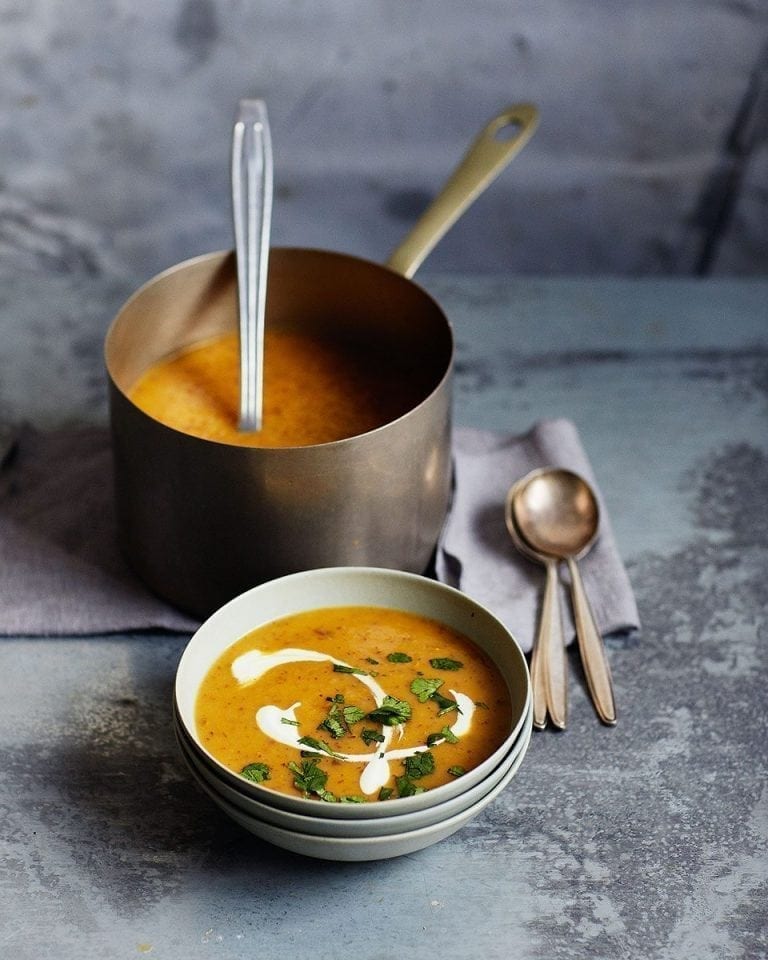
<point x="252" y="213"/>
<point x="548" y="664"/>
<point x="557" y="515"/>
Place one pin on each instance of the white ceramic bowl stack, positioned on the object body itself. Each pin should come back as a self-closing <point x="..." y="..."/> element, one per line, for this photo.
<point x="350" y="831"/>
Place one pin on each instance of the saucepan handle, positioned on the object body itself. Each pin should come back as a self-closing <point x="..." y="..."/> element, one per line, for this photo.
<point x="499" y="141"/>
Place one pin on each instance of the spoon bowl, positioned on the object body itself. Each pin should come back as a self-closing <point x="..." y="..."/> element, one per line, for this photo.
<point x="557" y="515"/>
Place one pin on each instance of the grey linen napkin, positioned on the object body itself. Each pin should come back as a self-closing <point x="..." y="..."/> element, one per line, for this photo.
<point x="61" y="572"/>
<point x="476" y="554"/>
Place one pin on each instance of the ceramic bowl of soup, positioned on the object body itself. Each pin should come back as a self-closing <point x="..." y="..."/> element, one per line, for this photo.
<point x="376" y="839"/>
<point x="351" y="694"/>
<point x="474" y="798"/>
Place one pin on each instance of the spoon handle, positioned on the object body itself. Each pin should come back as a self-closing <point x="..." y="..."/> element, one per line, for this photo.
<point x="538" y="685"/>
<point x="551" y="634"/>
<point x="252" y="213"/>
<point x="592" y="650"/>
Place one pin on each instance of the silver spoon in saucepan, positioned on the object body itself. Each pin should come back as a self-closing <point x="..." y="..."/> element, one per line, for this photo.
<point x="557" y="515"/>
<point x="548" y="664"/>
<point x="252" y="189"/>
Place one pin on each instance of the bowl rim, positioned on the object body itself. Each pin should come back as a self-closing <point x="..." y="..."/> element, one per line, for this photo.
<point x="237" y="617"/>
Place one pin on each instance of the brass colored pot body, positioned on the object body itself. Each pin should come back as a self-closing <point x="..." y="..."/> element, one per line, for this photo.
<point x="201" y="521"/>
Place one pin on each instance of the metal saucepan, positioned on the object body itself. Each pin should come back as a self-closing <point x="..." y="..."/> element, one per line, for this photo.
<point x="201" y="521"/>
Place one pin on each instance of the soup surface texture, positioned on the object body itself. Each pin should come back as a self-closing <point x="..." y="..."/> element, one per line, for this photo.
<point x="353" y="704"/>
<point x="315" y="391"/>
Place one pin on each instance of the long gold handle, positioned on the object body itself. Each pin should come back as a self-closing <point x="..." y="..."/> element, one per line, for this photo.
<point x="592" y="650"/>
<point x="551" y="632"/>
<point x="485" y="159"/>
<point x="538" y="685"/>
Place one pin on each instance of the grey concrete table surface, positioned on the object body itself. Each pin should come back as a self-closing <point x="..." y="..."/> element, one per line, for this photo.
<point x="646" y="840"/>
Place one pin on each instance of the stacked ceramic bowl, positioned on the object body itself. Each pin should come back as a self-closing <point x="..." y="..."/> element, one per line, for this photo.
<point x="353" y="831"/>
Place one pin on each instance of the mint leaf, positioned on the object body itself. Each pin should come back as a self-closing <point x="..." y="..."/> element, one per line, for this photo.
<point x="456" y="771"/>
<point x="444" y="703"/>
<point x="353" y="715"/>
<point x="308" y="777"/>
<point x="445" y="663"/>
<point x="318" y="745"/>
<point x="256" y="772"/>
<point x="371" y="736"/>
<point x="424" y="688"/>
<point x="332" y="724"/>
<point x="446" y="735"/>
<point x="419" y="765"/>
<point x="391" y="712"/>
<point x="406" y="787"/>
<point x="398" y="657"/>
<point x="340" y="719"/>
<point x="385" y="793"/>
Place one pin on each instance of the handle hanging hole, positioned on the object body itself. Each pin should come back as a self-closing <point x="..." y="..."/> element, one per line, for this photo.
<point x="508" y="131"/>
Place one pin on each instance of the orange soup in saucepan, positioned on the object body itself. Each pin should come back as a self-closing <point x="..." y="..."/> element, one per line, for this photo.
<point x="315" y="390"/>
<point x="353" y="704"/>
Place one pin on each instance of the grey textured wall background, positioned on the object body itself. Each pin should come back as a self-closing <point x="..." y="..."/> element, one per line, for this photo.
<point x="651" y="156"/>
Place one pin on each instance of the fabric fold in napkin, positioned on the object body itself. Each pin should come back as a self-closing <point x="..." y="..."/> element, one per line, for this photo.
<point x="476" y="553"/>
<point x="61" y="572"/>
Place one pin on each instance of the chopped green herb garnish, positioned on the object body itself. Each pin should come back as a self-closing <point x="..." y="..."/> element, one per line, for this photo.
<point x="456" y="771"/>
<point x="256" y="772"/>
<point x="353" y="715"/>
<point x="332" y="724"/>
<point x="336" y="698"/>
<point x="444" y="703"/>
<point x="288" y="722"/>
<point x="371" y="736"/>
<point x="352" y="799"/>
<point x="385" y="793"/>
<point x="445" y="663"/>
<point x="398" y="657"/>
<point x="343" y="668"/>
<point x="371" y="660"/>
<point x="446" y="734"/>
<point x="391" y="712"/>
<point x="340" y="719"/>
<point x="481" y="706"/>
<point x="419" y="765"/>
<point x="406" y="787"/>
<point x="425" y="688"/>
<point x="318" y="745"/>
<point x="308" y="777"/>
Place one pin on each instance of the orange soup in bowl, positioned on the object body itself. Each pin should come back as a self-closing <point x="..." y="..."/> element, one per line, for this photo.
<point x="315" y="390"/>
<point x="353" y="704"/>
